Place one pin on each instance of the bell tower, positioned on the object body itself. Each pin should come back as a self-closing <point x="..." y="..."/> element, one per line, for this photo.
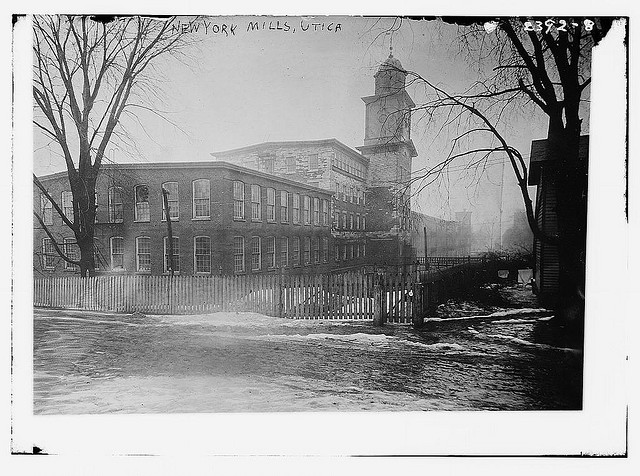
<point x="390" y="150"/>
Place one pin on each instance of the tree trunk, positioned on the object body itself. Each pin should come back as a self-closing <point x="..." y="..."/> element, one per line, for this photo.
<point x="87" y="264"/>
<point x="571" y="173"/>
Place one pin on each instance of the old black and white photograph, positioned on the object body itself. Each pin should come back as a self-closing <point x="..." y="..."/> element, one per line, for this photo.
<point x="312" y="214"/>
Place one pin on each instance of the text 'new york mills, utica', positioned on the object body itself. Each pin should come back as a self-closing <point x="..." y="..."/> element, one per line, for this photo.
<point x="232" y="29"/>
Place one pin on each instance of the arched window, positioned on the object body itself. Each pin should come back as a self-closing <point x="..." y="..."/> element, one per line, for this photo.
<point x="142" y="211"/>
<point x="117" y="252"/>
<point x="116" y="207"/>
<point x="201" y="199"/>
<point x="173" y="201"/>
<point x="143" y="254"/>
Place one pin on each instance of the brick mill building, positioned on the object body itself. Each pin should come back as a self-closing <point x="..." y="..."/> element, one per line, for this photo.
<point x="299" y="206"/>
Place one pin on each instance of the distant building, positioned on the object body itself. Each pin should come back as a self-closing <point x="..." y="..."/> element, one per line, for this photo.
<point x="443" y="237"/>
<point x="542" y="174"/>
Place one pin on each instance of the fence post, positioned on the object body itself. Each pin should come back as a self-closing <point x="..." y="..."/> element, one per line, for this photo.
<point x="378" y="316"/>
<point x="280" y="293"/>
<point x="417" y="306"/>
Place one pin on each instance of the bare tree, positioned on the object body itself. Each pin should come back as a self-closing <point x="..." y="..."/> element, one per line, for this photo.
<point x="86" y="72"/>
<point x="542" y="67"/>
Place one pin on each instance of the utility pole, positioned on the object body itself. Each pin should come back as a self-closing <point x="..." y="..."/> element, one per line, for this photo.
<point x="167" y="215"/>
<point x="501" y="193"/>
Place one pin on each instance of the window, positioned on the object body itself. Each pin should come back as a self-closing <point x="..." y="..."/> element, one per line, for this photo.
<point x="344" y="220"/>
<point x="364" y="249"/>
<point x="307" y="211"/>
<point x="202" y="254"/>
<point x="271" y="251"/>
<point x="291" y="165"/>
<point x="316" y="249"/>
<point x="48" y="254"/>
<point x="296" y="251"/>
<point x="316" y="211"/>
<point x="142" y="212"/>
<point x="352" y="195"/>
<point x="337" y="252"/>
<point x="296" y="208"/>
<point x="357" y="221"/>
<point x="313" y="162"/>
<point x="67" y="205"/>
<point x="256" y="253"/>
<point x="337" y="191"/>
<point x="363" y="225"/>
<point x="336" y="218"/>
<point x="238" y="254"/>
<point x="46" y="209"/>
<point x="176" y="254"/>
<point x="325" y="212"/>
<point x="284" y="252"/>
<point x="256" y="203"/>
<point x="116" y="207"/>
<point x="117" y="252"/>
<point x="268" y="164"/>
<point x="350" y="250"/>
<point x="70" y="249"/>
<point x="143" y="254"/>
<point x="351" y="221"/>
<point x="201" y="199"/>
<point x="238" y="200"/>
<point x="344" y="252"/>
<point x="357" y="250"/>
<point x="284" y="206"/>
<point x="344" y="193"/>
<point x="271" y="204"/>
<point x="325" y="250"/>
<point x="172" y="200"/>
<point x="307" y="250"/>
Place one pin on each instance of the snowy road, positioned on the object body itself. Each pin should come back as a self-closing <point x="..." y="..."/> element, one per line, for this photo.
<point x="98" y="363"/>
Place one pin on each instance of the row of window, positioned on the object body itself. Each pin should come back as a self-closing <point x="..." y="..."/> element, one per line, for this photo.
<point x="314" y="210"/>
<point x="267" y="164"/>
<point x="287" y="251"/>
<point x="304" y="209"/>
<point x="349" y="165"/>
<point x="349" y="194"/>
<point x="349" y="221"/>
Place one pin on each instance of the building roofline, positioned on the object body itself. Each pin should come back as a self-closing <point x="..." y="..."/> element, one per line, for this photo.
<point x="210" y="164"/>
<point x="403" y="92"/>
<point x="332" y="142"/>
<point x="540" y="154"/>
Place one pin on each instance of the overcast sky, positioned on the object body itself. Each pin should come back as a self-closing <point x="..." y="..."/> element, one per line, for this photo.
<point x="273" y="85"/>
